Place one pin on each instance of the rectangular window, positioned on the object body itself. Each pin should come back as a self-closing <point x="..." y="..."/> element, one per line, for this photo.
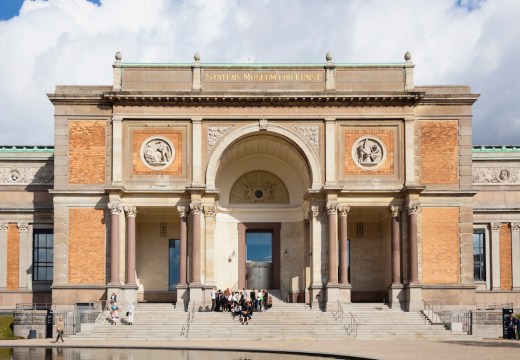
<point x="479" y="255"/>
<point x="43" y="254"/>
<point x="259" y="245"/>
<point x="174" y="264"/>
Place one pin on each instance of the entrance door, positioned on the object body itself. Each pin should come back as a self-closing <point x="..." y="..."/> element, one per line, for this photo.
<point x="173" y="278"/>
<point x="259" y="259"/>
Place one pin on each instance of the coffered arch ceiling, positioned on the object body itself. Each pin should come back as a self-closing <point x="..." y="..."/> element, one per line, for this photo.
<point x="270" y="153"/>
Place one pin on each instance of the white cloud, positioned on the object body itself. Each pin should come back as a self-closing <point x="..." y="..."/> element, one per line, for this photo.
<point x="73" y="42"/>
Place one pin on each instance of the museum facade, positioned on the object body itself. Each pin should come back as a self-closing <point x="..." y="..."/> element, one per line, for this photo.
<point x="326" y="182"/>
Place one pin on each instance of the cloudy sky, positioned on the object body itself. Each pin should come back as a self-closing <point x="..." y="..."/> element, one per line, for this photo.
<point x="44" y="43"/>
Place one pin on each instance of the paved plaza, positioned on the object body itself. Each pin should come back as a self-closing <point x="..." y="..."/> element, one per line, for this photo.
<point x="399" y="350"/>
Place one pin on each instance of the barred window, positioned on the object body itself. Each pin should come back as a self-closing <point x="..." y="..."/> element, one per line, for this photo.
<point x="479" y="255"/>
<point x="43" y="254"/>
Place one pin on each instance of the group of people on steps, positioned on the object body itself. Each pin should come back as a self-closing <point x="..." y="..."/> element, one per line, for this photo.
<point x="241" y="304"/>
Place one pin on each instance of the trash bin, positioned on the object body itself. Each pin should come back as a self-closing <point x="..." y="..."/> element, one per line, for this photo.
<point x="32" y="334"/>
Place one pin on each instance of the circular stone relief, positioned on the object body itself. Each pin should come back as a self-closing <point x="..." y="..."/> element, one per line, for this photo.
<point x="15" y="176"/>
<point x="368" y="152"/>
<point x="157" y="153"/>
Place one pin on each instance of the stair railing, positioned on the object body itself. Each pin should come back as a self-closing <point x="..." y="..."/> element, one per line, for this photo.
<point x="352" y="326"/>
<point x="435" y="313"/>
<point x="185" y="331"/>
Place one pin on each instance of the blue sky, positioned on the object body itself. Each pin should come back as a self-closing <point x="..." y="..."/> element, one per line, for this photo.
<point x="45" y="43"/>
<point x="10" y="8"/>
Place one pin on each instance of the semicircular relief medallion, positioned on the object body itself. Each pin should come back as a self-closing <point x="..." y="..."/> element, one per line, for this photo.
<point x="259" y="187"/>
<point x="157" y="153"/>
<point x="369" y="152"/>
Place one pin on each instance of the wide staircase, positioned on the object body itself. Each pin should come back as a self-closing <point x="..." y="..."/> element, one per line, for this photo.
<point x="284" y="321"/>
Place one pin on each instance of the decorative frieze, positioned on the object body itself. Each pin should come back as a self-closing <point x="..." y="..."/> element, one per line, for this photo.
<point x="214" y="134"/>
<point x="332" y="208"/>
<point x="4" y="227"/>
<point x="515" y="226"/>
<point x="115" y="208"/>
<point x="496" y="175"/>
<point x="311" y="133"/>
<point x="343" y="210"/>
<point x="26" y="175"/>
<point x="495" y="226"/>
<point x="196" y="208"/>
<point x="131" y="211"/>
<point x="259" y="187"/>
<point x="23" y="227"/>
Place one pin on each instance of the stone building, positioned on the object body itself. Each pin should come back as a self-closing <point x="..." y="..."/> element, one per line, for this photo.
<point x="328" y="182"/>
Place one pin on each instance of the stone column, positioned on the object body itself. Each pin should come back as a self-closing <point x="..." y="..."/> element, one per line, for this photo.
<point x="196" y="290"/>
<point x="495" y="256"/>
<point x="209" y="215"/>
<point x="413" y="254"/>
<point x="397" y="287"/>
<point x="115" y="213"/>
<point x="414" y="286"/>
<point x="3" y="255"/>
<point x="409" y="139"/>
<point x="23" y="230"/>
<point x="345" y="288"/>
<point x="183" y="295"/>
<point x="307" y="258"/>
<point x="317" y="294"/>
<point x="332" y="259"/>
<point x="131" y="212"/>
<point x="515" y="244"/>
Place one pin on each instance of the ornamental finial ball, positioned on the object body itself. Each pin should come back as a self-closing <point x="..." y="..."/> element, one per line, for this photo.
<point x="119" y="56"/>
<point x="328" y="57"/>
<point x="408" y="56"/>
<point x="196" y="56"/>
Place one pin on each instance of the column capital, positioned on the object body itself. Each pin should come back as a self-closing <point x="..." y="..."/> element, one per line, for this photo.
<point x="209" y="210"/>
<point x="332" y="208"/>
<point x="23" y="227"/>
<point x="315" y="211"/>
<point x="395" y="211"/>
<point x="115" y="208"/>
<point x="495" y="226"/>
<point x="344" y="210"/>
<point x="183" y="211"/>
<point x="131" y="211"/>
<point x="515" y="226"/>
<point x="196" y="120"/>
<point x="413" y="208"/>
<point x="4" y="226"/>
<point x="196" y="208"/>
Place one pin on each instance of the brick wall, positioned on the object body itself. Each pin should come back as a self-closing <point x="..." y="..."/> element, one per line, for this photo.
<point x="13" y="257"/>
<point x="87" y="245"/>
<point x="139" y="137"/>
<point x="440" y="245"/>
<point x="87" y="152"/>
<point x="386" y="135"/>
<point x="439" y="152"/>
<point x="506" y="275"/>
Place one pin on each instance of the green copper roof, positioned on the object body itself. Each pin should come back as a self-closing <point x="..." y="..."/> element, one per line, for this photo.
<point x="27" y="149"/>
<point x="495" y="148"/>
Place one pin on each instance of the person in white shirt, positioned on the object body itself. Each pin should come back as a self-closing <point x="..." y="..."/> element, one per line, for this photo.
<point x="213" y="298"/>
<point x="130" y="314"/>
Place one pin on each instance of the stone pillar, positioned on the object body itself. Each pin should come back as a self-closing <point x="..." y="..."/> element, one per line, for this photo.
<point x="495" y="256"/>
<point x="332" y="259"/>
<point x="131" y="212"/>
<point x="414" y="286"/>
<point x="307" y="258"/>
<point x="209" y="215"/>
<point x="115" y="213"/>
<point x="316" y="293"/>
<point x="396" y="288"/>
<point x="330" y="151"/>
<point x="197" y="151"/>
<point x="515" y="243"/>
<point x="183" y="295"/>
<point x="117" y="150"/>
<point x="23" y="230"/>
<point x="409" y="139"/>
<point x="196" y="291"/>
<point x="330" y="80"/>
<point x="118" y="72"/>
<point x="345" y="288"/>
<point x="196" y="80"/>
<point x="3" y="255"/>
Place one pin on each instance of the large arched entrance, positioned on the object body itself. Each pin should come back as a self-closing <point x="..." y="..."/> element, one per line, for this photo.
<point x="262" y="178"/>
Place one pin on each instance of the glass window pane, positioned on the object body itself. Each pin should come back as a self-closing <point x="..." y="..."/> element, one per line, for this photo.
<point x="259" y="246"/>
<point x="174" y="264"/>
<point x="50" y="240"/>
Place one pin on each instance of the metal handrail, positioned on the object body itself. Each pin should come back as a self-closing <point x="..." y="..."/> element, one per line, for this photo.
<point x="494" y="306"/>
<point x="352" y="327"/>
<point x="34" y="306"/>
<point x="436" y="314"/>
